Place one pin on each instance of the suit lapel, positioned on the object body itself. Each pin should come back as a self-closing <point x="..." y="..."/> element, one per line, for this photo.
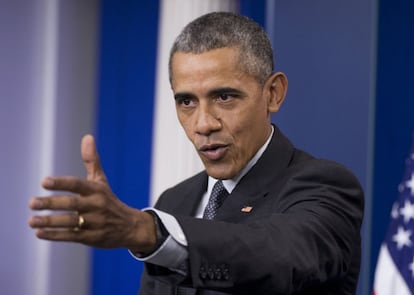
<point x="255" y="185"/>
<point x="187" y="200"/>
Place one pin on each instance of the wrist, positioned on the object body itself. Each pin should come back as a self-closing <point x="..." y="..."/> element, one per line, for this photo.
<point x="156" y="234"/>
<point x="161" y="232"/>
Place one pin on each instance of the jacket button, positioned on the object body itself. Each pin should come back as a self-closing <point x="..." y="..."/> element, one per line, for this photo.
<point x="203" y="273"/>
<point x="218" y="274"/>
<point x="226" y="275"/>
<point x="210" y="273"/>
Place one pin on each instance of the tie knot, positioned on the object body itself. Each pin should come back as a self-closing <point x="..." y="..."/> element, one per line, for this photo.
<point x="218" y="188"/>
<point x="217" y="197"/>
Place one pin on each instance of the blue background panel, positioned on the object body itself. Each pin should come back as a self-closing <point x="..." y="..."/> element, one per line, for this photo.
<point x="394" y="111"/>
<point x="129" y="31"/>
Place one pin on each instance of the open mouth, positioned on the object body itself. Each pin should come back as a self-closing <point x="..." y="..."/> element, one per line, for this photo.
<point x="213" y="152"/>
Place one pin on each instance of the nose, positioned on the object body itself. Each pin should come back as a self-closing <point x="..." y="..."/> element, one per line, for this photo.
<point x="207" y="120"/>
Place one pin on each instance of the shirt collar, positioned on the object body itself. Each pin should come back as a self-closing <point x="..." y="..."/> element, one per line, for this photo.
<point x="230" y="184"/>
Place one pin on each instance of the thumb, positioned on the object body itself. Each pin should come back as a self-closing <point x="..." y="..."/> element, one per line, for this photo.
<point x="91" y="160"/>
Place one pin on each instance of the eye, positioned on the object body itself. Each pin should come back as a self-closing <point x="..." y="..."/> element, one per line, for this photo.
<point x="186" y="102"/>
<point x="224" y="97"/>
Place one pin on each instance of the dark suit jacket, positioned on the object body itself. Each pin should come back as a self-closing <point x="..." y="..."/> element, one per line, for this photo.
<point x="302" y="235"/>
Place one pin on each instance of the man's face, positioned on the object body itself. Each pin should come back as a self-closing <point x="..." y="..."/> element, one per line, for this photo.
<point x="223" y="110"/>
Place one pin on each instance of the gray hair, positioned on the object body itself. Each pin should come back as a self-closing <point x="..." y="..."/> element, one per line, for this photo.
<point x="225" y="29"/>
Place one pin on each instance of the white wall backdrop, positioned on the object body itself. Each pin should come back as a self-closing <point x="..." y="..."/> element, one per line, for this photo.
<point x="47" y="77"/>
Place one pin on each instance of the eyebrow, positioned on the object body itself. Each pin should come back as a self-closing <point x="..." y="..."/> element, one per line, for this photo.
<point x="211" y="93"/>
<point x="221" y="90"/>
<point x="183" y="95"/>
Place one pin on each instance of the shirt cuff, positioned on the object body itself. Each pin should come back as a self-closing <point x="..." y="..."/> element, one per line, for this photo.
<point x="173" y="252"/>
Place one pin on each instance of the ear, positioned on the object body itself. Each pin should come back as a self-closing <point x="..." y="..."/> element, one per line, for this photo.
<point x="275" y="90"/>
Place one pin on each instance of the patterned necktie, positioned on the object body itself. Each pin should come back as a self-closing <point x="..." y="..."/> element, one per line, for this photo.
<point x="217" y="197"/>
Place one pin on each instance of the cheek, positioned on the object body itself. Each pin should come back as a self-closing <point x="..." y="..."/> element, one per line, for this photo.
<point x="244" y="123"/>
<point x="249" y="133"/>
<point x="186" y="124"/>
<point x="182" y="118"/>
<point x="242" y="138"/>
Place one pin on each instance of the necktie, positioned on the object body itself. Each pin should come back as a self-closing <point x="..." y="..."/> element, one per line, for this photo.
<point x="217" y="197"/>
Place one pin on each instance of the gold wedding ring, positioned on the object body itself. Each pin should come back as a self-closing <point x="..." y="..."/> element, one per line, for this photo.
<point x="81" y="223"/>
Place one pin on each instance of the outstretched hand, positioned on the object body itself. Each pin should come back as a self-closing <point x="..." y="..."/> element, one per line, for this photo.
<point x="90" y="213"/>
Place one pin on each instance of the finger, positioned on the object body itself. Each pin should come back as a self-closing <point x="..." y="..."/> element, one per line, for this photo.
<point x="87" y="237"/>
<point x="68" y="235"/>
<point x="68" y="221"/>
<point x="70" y="184"/>
<point x="67" y="203"/>
<point x="91" y="160"/>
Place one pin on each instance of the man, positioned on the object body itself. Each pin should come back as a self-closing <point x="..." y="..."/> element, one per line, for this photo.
<point x="263" y="218"/>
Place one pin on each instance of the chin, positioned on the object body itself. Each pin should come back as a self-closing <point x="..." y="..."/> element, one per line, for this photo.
<point x="219" y="173"/>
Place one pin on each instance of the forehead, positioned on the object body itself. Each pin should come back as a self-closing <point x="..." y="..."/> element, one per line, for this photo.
<point x="222" y="63"/>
